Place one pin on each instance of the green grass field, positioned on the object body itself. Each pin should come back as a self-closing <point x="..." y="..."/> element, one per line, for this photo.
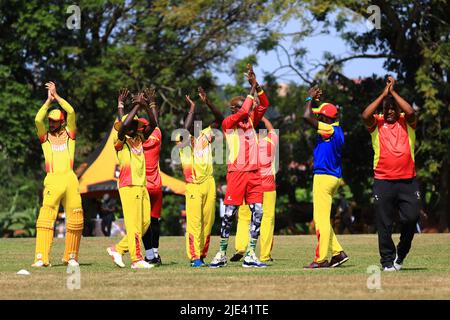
<point x="426" y="273"/>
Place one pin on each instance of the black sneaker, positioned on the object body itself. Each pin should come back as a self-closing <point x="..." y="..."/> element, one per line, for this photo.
<point x="155" y="261"/>
<point x="237" y="257"/>
<point x="338" y="259"/>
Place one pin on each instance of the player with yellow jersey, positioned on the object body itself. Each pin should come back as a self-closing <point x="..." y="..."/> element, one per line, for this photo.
<point x="197" y="162"/>
<point x="61" y="183"/>
<point x="268" y="147"/>
<point x="132" y="183"/>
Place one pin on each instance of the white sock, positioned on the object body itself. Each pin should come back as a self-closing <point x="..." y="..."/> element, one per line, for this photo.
<point x="155" y="251"/>
<point x="149" y="254"/>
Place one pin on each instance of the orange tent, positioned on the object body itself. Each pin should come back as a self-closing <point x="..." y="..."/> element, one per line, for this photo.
<point x="100" y="172"/>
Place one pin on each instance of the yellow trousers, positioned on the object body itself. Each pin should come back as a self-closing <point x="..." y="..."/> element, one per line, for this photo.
<point x="200" y="214"/>
<point x="267" y="226"/>
<point x="136" y="207"/>
<point x="59" y="188"/>
<point x="324" y="187"/>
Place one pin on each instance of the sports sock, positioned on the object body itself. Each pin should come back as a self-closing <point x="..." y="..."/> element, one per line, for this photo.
<point x="251" y="246"/>
<point x="149" y="254"/>
<point x="155" y="252"/>
<point x="223" y="245"/>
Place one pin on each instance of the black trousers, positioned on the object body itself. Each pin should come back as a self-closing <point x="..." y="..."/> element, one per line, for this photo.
<point x="390" y="197"/>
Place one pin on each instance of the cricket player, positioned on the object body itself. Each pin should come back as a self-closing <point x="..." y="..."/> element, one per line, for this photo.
<point x="132" y="183"/>
<point x="197" y="162"/>
<point x="243" y="176"/>
<point x="327" y="177"/>
<point x="152" y="149"/>
<point x="61" y="183"/>
<point x="267" y="168"/>
<point x="395" y="188"/>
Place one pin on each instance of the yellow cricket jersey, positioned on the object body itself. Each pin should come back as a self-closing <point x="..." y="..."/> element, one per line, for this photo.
<point x="130" y="154"/>
<point x="59" y="148"/>
<point x="196" y="158"/>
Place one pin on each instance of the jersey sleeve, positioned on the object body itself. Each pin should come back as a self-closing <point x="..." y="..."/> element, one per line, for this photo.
<point x="257" y="114"/>
<point x="325" y="130"/>
<point x="209" y="134"/>
<point x="39" y="122"/>
<point x="378" y="118"/>
<point x="71" y="124"/>
<point x="232" y="120"/>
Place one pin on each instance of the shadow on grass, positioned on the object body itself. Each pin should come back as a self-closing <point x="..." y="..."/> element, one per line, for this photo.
<point x="413" y="269"/>
<point x="65" y="266"/>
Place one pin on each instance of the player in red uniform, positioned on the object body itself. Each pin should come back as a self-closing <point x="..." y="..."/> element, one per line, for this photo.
<point x="243" y="176"/>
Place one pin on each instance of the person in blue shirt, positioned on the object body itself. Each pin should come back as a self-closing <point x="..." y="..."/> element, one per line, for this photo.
<point x="327" y="177"/>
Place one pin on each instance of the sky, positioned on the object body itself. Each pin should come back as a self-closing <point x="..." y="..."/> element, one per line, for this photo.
<point x="316" y="45"/>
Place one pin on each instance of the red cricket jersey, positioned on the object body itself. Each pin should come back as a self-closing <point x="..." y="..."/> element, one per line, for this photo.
<point x="240" y="134"/>
<point x="393" y="145"/>
<point x="152" y="148"/>
<point x="267" y="168"/>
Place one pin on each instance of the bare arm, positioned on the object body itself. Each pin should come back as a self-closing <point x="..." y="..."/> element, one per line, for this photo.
<point x="190" y="117"/>
<point x="368" y="113"/>
<point x="123" y="94"/>
<point x="410" y="113"/>
<point x="314" y="94"/>
<point x="127" y="123"/>
<point x="217" y="114"/>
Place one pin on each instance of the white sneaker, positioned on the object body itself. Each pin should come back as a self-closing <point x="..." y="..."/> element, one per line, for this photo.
<point x="141" y="264"/>
<point x="40" y="264"/>
<point x="220" y="260"/>
<point x="251" y="261"/>
<point x="117" y="257"/>
<point x="73" y="263"/>
<point x="389" y="269"/>
<point x="397" y="263"/>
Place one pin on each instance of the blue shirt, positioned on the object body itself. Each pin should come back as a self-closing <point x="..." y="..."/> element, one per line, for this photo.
<point x="328" y="150"/>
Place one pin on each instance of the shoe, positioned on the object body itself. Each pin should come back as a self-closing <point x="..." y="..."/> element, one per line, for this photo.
<point x="317" y="265"/>
<point x="156" y="261"/>
<point x="40" y="264"/>
<point x="398" y="263"/>
<point x="220" y="260"/>
<point x="237" y="257"/>
<point x="141" y="264"/>
<point x="389" y="268"/>
<point x="338" y="259"/>
<point x="197" y="263"/>
<point x="117" y="257"/>
<point x="251" y="261"/>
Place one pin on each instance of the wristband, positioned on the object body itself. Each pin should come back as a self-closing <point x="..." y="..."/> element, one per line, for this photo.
<point x="308" y="99"/>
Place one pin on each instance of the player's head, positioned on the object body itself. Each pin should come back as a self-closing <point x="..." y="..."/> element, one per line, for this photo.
<point x="326" y="113"/>
<point x="391" y="110"/>
<point x="135" y="128"/>
<point x="55" y="120"/>
<point x="236" y="103"/>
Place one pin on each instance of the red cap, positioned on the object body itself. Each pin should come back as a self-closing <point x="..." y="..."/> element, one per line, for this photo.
<point x="327" y="109"/>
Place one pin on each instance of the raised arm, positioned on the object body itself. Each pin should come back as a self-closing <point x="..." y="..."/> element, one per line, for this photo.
<point x="40" y="118"/>
<point x="123" y="95"/>
<point x="150" y="96"/>
<point x="70" y="123"/>
<point x="410" y="114"/>
<point x="150" y="109"/>
<point x="137" y="102"/>
<point x="314" y="94"/>
<point x="261" y="108"/>
<point x="190" y="117"/>
<point x="217" y="114"/>
<point x="368" y="113"/>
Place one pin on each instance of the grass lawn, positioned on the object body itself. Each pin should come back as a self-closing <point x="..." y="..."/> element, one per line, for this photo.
<point x="425" y="275"/>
